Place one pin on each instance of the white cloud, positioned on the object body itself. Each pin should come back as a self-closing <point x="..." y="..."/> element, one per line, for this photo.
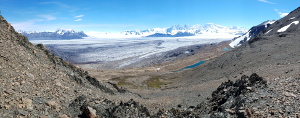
<point x="67" y="7"/>
<point x="78" y="20"/>
<point x="23" y="25"/>
<point x="29" y="25"/>
<point x="26" y="25"/>
<point x="38" y="25"/>
<point x="47" y="17"/>
<point x="280" y="13"/>
<point x="78" y="16"/>
<point x="265" y="1"/>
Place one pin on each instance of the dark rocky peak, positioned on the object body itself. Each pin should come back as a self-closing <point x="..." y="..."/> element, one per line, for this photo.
<point x="280" y="28"/>
<point x="252" y="33"/>
<point x="287" y="24"/>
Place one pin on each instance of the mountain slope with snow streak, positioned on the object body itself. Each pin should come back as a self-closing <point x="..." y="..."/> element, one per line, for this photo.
<point x="288" y="24"/>
<point x="252" y="33"/>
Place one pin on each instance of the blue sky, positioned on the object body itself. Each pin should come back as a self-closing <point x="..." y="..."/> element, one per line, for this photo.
<point x="120" y="15"/>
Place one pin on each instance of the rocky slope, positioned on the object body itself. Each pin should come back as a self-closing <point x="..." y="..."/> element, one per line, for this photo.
<point x="35" y="83"/>
<point x="246" y="98"/>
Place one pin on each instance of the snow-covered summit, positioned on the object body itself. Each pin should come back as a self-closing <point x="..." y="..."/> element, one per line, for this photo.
<point x="63" y="31"/>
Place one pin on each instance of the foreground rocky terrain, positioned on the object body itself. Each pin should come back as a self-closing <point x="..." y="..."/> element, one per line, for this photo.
<point x="35" y="83"/>
<point x="257" y="79"/>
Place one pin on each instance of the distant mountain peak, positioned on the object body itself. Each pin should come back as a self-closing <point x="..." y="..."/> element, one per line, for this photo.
<point x="56" y="35"/>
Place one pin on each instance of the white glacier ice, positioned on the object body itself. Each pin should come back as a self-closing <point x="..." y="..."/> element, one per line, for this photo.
<point x="113" y="49"/>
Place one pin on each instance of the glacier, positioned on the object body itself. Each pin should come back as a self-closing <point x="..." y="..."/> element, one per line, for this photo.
<point x="102" y="50"/>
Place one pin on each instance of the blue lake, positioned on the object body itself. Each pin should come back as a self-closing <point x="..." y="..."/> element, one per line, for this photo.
<point x="191" y="66"/>
<point x="225" y="49"/>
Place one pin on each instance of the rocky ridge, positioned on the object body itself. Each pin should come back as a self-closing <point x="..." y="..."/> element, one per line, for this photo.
<point x="246" y="98"/>
<point x="251" y="96"/>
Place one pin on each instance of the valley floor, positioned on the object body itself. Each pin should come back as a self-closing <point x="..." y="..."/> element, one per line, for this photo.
<point x="158" y="80"/>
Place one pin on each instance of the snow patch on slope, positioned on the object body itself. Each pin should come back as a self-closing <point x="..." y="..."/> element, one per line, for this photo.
<point x="237" y="41"/>
<point x="283" y="29"/>
<point x="269" y="23"/>
<point x="268" y="31"/>
<point x="292" y="18"/>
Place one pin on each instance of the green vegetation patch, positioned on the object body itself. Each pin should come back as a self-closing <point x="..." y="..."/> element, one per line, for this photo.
<point x="155" y="82"/>
<point x="122" y="81"/>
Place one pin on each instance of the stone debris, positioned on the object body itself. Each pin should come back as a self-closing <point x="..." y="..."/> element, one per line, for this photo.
<point x="27" y="103"/>
<point x="88" y="112"/>
<point x="288" y="94"/>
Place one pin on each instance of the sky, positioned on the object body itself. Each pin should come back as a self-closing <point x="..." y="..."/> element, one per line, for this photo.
<point x="120" y="15"/>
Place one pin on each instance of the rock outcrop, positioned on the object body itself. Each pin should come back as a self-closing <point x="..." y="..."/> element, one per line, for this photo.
<point x="247" y="97"/>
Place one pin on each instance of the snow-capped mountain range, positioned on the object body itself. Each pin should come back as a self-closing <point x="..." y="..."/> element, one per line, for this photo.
<point x="56" y="35"/>
<point x="209" y="28"/>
